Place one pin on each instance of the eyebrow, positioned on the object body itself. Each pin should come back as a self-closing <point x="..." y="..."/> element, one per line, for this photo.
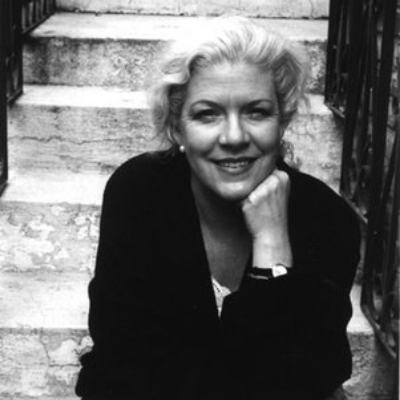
<point x="258" y="101"/>
<point x="249" y="104"/>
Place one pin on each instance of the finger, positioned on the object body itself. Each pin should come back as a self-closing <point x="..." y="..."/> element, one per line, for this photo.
<point x="268" y="187"/>
<point x="272" y="184"/>
<point x="281" y="175"/>
<point x="283" y="178"/>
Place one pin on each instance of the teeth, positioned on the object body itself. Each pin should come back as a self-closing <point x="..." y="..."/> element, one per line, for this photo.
<point x="234" y="164"/>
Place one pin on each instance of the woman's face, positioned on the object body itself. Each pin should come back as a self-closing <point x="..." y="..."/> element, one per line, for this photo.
<point x="230" y="129"/>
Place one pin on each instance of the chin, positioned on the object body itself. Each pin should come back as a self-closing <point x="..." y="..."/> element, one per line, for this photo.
<point x="234" y="196"/>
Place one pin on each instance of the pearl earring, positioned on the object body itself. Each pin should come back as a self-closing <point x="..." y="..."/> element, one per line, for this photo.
<point x="182" y="148"/>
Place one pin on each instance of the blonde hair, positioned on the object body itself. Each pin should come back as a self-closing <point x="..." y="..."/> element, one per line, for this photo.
<point x="227" y="39"/>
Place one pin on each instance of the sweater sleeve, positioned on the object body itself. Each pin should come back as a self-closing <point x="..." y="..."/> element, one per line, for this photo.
<point x="140" y="348"/>
<point x="290" y="332"/>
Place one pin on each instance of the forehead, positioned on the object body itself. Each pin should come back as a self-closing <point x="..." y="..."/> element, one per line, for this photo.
<point x="226" y="82"/>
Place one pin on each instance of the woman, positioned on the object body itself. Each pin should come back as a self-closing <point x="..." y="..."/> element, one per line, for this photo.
<point x="222" y="273"/>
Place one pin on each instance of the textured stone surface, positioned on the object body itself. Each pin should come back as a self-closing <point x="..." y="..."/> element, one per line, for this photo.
<point x="97" y="134"/>
<point x="36" y="186"/>
<point x="255" y="8"/>
<point x="43" y="331"/>
<point x="317" y="143"/>
<point x="59" y="237"/>
<point x="121" y="50"/>
<point x="94" y="129"/>
<point x="44" y="300"/>
<point x="39" y="364"/>
<point x="373" y="370"/>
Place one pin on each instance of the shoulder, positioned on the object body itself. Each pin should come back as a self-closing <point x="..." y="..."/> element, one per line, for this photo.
<point x="310" y="190"/>
<point x="143" y="166"/>
<point x="317" y="202"/>
<point x="147" y="185"/>
<point x="301" y="180"/>
<point x="146" y="172"/>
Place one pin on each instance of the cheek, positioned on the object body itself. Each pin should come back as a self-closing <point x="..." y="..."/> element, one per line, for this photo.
<point x="268" y="139"/>
<point x="198" y="139"/>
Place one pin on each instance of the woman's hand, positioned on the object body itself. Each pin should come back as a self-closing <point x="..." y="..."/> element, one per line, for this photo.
<point x="265" y="212"/>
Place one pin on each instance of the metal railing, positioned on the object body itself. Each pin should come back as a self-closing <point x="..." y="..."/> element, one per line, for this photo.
<point x="17" y="18"/>
<point x="13" y="49"/>
<point x="34" y="12"/>
<point x="362" y="88"/>
<point x="3" y="105"/>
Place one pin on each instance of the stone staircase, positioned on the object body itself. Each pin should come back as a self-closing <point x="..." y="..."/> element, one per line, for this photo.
<point x="84" y="112"/>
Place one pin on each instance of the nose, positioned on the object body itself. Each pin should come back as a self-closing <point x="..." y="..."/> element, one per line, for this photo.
<point x="234" y="133"/>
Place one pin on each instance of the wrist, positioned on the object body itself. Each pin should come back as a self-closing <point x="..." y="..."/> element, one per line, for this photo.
<point x="270" y="272"/>
<point x="269" y="253"/>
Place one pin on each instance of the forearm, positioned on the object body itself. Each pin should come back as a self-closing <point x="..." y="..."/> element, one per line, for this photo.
<point x="268" y="251"/>
<point x="290" y="333"/>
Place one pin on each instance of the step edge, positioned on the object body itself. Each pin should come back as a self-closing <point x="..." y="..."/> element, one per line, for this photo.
<point x="116" y="98"/>
<point x="164" y="27"/>
<point x="54" y="187"/>
<point x="51" y="96"/>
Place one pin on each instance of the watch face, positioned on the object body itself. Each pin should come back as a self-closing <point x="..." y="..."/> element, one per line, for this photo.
<point x="268" y="273"/>
<point x="279" y="270"/>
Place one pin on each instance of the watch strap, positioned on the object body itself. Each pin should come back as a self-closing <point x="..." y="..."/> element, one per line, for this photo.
<point x="269" y="272"/>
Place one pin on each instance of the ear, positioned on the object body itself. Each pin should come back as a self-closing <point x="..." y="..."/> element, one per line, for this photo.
<point x="176" y="137"/>
<point x="175" y="130"/>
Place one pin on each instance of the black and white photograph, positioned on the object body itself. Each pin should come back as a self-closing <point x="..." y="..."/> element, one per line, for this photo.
<point x="199" y="200"/>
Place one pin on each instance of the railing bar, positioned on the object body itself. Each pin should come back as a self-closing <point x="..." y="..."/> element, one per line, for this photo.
<point x="38" y="18"/>
<point x="392" y="257"/>
<point x="377" y="330"/>
<point x="386" y="189"/>
<point x="34" y="25"/>
<point x="380" y="112"/>
<point x="363" y="220"/>
<point x="341" y="61"/>
<point x="14" y="59"/>
<point x="353" y="98"/>
<point x="17" y="16"/>
<point x="34" y="9"/>
<point x="332" y="34"/>
<point x="338" y="113"/>
<point x="373" y="266"/>
<point x="3" y="96"/>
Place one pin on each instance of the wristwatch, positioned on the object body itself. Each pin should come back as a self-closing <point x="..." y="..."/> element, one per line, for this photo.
<point x="270" y="272"/>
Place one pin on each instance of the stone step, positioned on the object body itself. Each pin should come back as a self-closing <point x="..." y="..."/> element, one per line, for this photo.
<point x="43" y="331"/>
<point x="250" y="8"/>
<point x="49" y="222"/>
<point x="121" y="50"/>
<point x="97" y="128"/>
<point x="77" y="128"/>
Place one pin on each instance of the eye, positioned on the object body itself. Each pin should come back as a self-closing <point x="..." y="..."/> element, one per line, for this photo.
<point x="206" y="116"/>
<point x="258" y="113"/>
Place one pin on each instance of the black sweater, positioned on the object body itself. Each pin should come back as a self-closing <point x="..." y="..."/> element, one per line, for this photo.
<point x="153" y="316"/>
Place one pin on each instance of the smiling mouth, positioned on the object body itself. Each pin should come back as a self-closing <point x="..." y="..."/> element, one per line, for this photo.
<point x="235" y="163"/>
